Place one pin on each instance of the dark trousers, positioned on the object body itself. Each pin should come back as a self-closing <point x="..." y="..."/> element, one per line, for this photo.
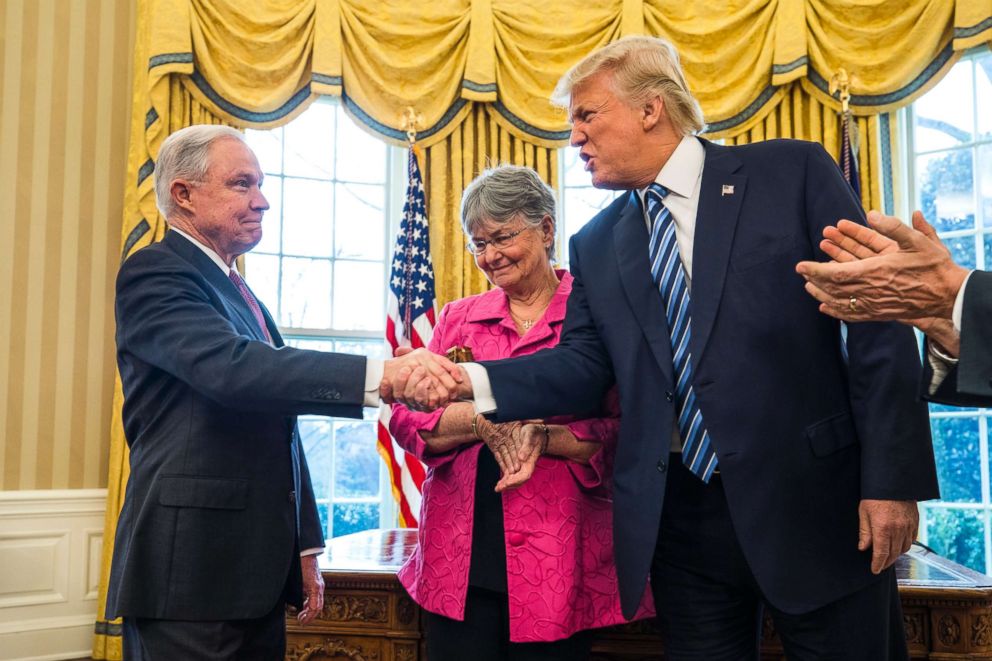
<point x="484" y="635"/>
<point x="710" y="606"/>
<point x="259" y="639"/>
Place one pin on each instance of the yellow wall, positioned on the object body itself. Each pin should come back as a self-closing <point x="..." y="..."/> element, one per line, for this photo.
<point x="64" y="112"/>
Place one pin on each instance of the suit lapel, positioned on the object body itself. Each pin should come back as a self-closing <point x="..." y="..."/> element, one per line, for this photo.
<point x="720" y="197"/>
<point x="630" y="240"/>
<point x="220" y="282"/>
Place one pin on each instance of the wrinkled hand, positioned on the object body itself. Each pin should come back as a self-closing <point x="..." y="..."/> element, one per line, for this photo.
<point x="893" y="272"/>
<point x="313" y="590"/>
<point x="529" y="450"/>
<point x="503" y="440"/>
<point x="849" y="242"/>
<point x="421" y="380"/>
<point x="888" y="527"/>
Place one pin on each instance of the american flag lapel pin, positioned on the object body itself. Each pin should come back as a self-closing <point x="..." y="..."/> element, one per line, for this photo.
<point x="727" y="190"/>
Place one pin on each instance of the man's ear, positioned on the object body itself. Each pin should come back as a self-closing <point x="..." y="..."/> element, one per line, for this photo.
<point x="652" y="111"/>
<point x="181" y="191"/>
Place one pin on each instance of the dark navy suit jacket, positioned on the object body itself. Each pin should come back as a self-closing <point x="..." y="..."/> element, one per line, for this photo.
<point x="802" y="430"/>
<point x="970" y="382"/>
<point x="219" y="502"/>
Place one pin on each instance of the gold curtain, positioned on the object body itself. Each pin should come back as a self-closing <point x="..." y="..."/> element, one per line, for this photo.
<point x="480" y="72"/>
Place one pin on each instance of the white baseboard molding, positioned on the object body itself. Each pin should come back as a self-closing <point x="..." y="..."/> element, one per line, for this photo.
<point x="50" y="556"/>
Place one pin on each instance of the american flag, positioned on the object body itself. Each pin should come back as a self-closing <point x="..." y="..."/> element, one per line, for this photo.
<point x="410" y="317"/>
<point x="849" y="150"/>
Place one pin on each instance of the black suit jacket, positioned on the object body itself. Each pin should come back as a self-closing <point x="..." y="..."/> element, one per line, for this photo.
<point x="969" y="383"/>
<point x="804" y="428"/>
<point x="218" y="503"/>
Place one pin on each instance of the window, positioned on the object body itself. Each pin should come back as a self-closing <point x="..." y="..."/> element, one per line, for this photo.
<point x="578" y="200"/>
<point x="321" y="268"/>
<point x="950" y="144"/>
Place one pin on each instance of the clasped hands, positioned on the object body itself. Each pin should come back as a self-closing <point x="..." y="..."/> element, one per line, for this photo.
<point x="516" y="447"/>
<point x="423" y="381"/>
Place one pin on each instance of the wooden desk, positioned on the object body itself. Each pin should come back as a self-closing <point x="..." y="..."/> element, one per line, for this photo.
<point x="369" y="617"/>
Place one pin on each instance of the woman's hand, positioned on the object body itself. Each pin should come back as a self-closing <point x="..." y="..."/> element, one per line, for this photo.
<point x="533" y="442"/>
<point x="503" y="440"/>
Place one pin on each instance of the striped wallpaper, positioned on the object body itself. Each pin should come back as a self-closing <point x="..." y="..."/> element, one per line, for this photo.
<point x="64" y="110"/>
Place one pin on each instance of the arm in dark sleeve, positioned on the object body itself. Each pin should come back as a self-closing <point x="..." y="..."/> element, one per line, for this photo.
<point x="970" y="382"/>
<point x="884" y="368"/>
<point x="166" y="318"/>
<point x="570" y="378"/>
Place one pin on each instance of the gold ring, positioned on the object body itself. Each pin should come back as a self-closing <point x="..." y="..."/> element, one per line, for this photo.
<point x="852" y="304"/>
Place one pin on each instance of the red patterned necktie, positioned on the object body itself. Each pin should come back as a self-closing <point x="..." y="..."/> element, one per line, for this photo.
<point x="250" y="300"/>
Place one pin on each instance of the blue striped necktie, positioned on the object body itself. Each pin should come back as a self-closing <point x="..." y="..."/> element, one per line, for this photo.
<point x="669" y="276"/>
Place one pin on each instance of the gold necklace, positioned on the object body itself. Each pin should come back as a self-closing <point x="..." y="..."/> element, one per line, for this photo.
<point x="527" y="324"/>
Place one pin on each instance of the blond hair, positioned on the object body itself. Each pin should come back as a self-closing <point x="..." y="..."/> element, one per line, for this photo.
<point x="641" y="69"/>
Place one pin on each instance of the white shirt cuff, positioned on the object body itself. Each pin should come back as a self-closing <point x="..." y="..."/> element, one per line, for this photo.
<point x="373" y="375"/>
<point x="314" y="551"/>
<point x="940" y="364"/>
<point x="481" y="389"/>
<point x="958" y="311"/>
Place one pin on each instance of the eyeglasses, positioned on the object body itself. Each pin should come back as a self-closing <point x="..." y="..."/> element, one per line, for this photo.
<point x="478" y="246"/>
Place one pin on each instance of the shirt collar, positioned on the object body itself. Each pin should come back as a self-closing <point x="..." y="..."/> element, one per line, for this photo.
<point x="681" y="172"/>
<point x="214" y="257"/>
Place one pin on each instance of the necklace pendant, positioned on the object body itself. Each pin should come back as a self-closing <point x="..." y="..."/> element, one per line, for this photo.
<point x="526" y="323"/>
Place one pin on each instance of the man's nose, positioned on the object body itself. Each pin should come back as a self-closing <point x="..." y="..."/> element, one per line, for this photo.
<point x="260" y="202"/>
<point x="576" y="137"/>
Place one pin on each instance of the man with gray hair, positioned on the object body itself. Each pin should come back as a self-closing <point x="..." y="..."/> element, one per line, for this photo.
<point x="219" y="528"/>
<point x="789" y="460"/>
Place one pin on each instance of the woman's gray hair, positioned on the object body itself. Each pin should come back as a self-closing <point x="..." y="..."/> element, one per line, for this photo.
<point x="499" y="194"/>
<point x="642" y="68"/>
<point x="186" y="155"/>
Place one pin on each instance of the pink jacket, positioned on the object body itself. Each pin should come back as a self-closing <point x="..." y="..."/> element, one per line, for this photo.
<point x="559" y="552"/>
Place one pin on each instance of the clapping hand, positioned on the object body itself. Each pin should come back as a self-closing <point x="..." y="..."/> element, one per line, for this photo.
<point x="887" y="271"/>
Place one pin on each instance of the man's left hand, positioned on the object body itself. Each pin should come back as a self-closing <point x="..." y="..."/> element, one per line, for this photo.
<point x="313" y="590"/>
<point x="889" y="528"/>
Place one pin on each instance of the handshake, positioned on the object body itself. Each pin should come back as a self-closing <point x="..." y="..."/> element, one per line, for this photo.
<point x="423" y="381"/>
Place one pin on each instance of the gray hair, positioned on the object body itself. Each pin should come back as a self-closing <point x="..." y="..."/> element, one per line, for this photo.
<point x="186" y="155"/>
<point x="642" y="68"/>
<point x="499" y="194"/>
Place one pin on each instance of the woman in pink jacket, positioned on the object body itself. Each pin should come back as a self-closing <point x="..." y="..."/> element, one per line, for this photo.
<point x="515" y="553"/>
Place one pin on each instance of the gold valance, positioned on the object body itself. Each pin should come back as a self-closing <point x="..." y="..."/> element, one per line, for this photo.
<point x="259" y="67"/>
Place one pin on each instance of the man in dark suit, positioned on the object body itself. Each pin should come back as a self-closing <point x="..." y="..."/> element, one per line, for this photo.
<point x="789" y="462"/>
<point x="219" y="527"/>
<point x="893" y="271"/>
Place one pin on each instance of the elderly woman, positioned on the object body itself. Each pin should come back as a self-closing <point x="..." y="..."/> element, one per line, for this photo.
<point x="515" y="556"/>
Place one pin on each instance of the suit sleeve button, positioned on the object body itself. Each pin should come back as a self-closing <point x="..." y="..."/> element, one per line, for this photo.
<point x="662" y="466"/>
<point x="292" y="496"/>
<point x="669" y="395"/>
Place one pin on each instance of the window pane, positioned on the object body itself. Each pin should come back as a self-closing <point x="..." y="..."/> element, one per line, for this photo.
<point x="262" y="275"/>
<point x="313" y="345"/>
<point x="310" y="143"/>
<point x="370" y="348"/>
<point x="944" y="182"/>
<point x="956" y="447"/>
<point x="272" y="219"/>
<point x="985" y="182"/>
<point x="267" y="146"/>
<point x="944" y="116"/>
<point x="362" y="157"/>
<point x="962" y="250"/>
<point x="575" y="173"/>
<point x="958" y="535"/>
<point x="358" y="295"/>
<point x="322" y="511"/>
<point x="356" y="465"/>
<point x="315" y="432"/>
<point x="360" y="221"/>
<point x="306" y="293"/>
<point x="355" y="517"/>
<point x="308" y="216"/>
<point x="983" y="84"/>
